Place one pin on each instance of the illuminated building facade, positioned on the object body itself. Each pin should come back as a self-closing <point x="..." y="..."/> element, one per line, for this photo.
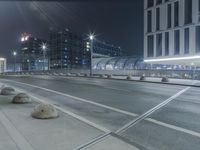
<point x="2" y="65"/>
<point x="68" y="50"/>
<point x="102" y="49"/>
<point x="172" y="31"/>
<point x="32" y="55"/>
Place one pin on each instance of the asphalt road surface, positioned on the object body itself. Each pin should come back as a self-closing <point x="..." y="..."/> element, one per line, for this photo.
<point x="147" y="115"/>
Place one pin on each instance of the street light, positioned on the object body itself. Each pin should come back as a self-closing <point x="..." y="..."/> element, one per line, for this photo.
<point x="91" y="37"/>
<point x="44" y="48"/>
<point x="14" y="54"/>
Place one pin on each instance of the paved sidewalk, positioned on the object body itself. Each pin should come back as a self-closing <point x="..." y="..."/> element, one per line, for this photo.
<point x="19" y="131"/>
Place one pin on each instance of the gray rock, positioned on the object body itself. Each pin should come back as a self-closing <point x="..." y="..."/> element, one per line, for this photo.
<point x="7" y="91"/>
<point x="21" y="98"/>
<point x="44" y="111"/>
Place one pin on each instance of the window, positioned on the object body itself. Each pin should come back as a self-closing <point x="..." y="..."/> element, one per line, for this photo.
<point x="176" y="42"/>
<point x="169" y="15"/>
<point x="199" y="11"/>
<point x="187" y="41"/>
<point x="198" y="39"/>
<point x="166" y="43"/>
<point x="149" y="21"/>
<point x="159" y="44"/>
<point x="167" y="0"/>
<point x="150" y="3"/>
<point x="188" y="11"/>
<point x="157" y="18"/>
<point x="150" y="46"/>
<point x="158" y="2"/>
<point x="176" y="14"/>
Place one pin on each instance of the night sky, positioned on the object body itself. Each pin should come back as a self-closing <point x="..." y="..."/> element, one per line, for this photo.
<point x="118" y="23"/>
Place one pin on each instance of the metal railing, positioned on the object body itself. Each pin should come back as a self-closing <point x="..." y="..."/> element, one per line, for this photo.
<point x="179" y="74"/>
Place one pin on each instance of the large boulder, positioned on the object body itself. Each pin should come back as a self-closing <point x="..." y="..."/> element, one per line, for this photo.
<point x="164" y="79"/>
<point x="7" y="91"/>
<point x="44" y="111"/>
<point x="21" y="98"/>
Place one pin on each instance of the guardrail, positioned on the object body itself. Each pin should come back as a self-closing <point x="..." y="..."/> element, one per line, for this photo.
<point x="179" y="74"/>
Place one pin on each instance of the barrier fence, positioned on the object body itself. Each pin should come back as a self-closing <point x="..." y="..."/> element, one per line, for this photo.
<point x="179" y="74"/>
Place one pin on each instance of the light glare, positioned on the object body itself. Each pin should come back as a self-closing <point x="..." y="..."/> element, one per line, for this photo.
<point x="171" y="59"/>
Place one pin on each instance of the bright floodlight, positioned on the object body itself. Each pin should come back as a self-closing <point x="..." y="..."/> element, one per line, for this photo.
<point x="22" y="39"/>
<point x="91" y="37"/>
<point x="44" y="46"/>
<point x="14" y="53"/>
<point x="26" y="38"/>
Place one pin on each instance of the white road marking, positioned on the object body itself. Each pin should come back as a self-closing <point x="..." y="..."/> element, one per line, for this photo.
<point x="43" y="100"/>
<point x="149" y="112"/>
<point x="193" y="133"/>
<point x="19" y="139"/>
<point x="174" y="127"/>
<point x="79" y="99"/>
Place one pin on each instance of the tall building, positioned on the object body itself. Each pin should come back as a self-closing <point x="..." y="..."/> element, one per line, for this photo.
<point x="102" y="49"/>
<point x="68" y="50"/>
<point x="2" y="65"/>
<point x="33" y="53"/>
<point x="172" y="31"/>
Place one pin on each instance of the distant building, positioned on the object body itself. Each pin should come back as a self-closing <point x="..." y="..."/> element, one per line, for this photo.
<point x="172" y="31"/>
<point x="102" y="49"/>
<point x="11" y="67"/>
<point x="2" y="65"/>
<point x="32" y="55"/>
<point x="68" y="50"/>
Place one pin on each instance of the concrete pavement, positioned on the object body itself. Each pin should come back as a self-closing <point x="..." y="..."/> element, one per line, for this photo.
<point x="113" y="104"/>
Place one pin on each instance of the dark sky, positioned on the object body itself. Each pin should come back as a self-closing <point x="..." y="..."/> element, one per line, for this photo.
<point x="118" y="23"/>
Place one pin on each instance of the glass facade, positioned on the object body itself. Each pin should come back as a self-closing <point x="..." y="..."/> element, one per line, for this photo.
<point x="68" y="50"/>
<point x="150" y="46"/>
<point x="157" y="18"/>
<point x="166" y="43"/>
<point x="158" y="2"/>
<point x="159" y="44"/>
<point x="186" y="41"/>
<point x="150" y="3"/>
<point x="198" y="39"/>
<point x="169" y="15"/>
<point x="171" y="26"/>
<point x="188" y="11"/>
<point x="31" y="54"/>
<point x="149" y="21"/>
<point x="176" y="42"/>
<point x="176" y="14"/>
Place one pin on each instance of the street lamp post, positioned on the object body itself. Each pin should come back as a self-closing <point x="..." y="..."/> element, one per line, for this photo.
<point x="91" y="53"/>
<point x="14" y="54"/>
<point x="44" y="48"/>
